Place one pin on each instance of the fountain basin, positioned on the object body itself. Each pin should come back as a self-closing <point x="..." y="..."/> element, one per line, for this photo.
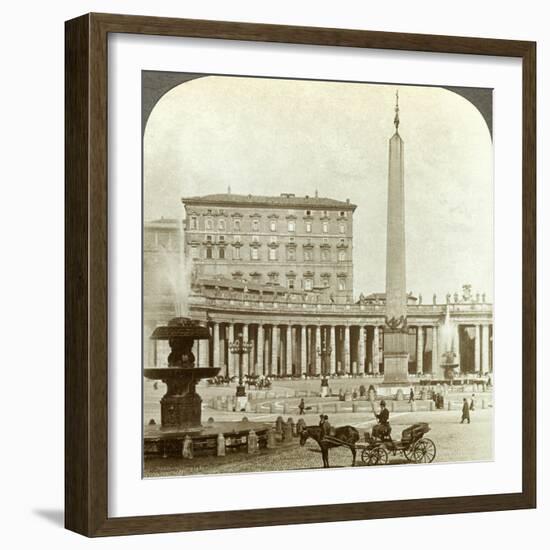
<point x="181" y="327"/>
<point x="187" y="373"/>
<point x="165" y="442"/>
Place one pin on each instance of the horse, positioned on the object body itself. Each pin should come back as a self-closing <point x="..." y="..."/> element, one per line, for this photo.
<point x="343" y="436"/>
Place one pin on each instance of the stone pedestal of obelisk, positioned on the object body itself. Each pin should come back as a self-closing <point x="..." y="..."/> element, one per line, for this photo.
<point x="396" y="355"/>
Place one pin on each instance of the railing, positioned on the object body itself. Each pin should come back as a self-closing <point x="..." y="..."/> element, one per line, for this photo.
<point x="264" y="304"/>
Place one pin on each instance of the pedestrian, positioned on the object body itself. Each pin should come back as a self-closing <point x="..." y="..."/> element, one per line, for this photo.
<point x="473" y="402"/>
<point x="301" y="406"/>
<point x="411" y="395"/>
<point x="465" y="411"/>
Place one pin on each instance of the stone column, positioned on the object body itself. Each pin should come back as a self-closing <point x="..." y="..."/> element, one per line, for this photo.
<point x="435" y="351"/>
<point x="204" y="359"/>
<point x="333" y="346"/>
<point x="230" y="356"/>
<point x="260" y="350"/>
<point x="216" y="336"/>
<point x="311" y="350"/>
<point x="246" y="356"/>
<point x="288" y="363"/>
<point x="274" y="349"/>
<point x="376" y="351"/>
<point x="456" y="339"/>
<point x="223" y="347"/>
<point x="303" y="349"/>
<point x="317" y="345"/>
<point x="419" y="350"/>
<point x="347" y="362"/>
<point x="362" y="347"/>
<point x="477" y="349"/>
<point x="485" y="349"/>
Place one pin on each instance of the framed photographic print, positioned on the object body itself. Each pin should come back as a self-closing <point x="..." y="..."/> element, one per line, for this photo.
<point x="300" y="275"/>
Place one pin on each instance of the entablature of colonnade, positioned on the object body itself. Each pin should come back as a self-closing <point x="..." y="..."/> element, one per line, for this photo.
<point x="282" y="312"/>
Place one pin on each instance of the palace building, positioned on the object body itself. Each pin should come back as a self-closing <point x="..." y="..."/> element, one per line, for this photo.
<point x="302" y="244"/>
<point x="279" y="271"/>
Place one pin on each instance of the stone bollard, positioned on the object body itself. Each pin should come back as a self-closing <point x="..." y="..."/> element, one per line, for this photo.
<point x="423" y="394"/>
<point x="220" y="445"/>
<point x="272" y="408"/>
<point x="286" y="408"/>
<point x="271" y="441"/>
<point x="187" y="448"/>
<point x="392" y="406"/>
<point x="292" y="425"/>
<point x="252" y="442"/>
<point x="279" y="425"/>
<point x="152" y="422"/>
<point x="210" y="420"/>
<point x="432" y="405"/>
<point x="399" y="395"/>
<point x="483" y="404"/>
<point x="449" y="405"/>
<point x="413" y="406"/>
<point x="244" y="419"/>
<point x="354" y="407"/>
<point x="287" y="431"/>
<point x="336" y="407"/>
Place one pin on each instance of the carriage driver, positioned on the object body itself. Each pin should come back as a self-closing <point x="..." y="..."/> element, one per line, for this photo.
<point x="382" y="430"/>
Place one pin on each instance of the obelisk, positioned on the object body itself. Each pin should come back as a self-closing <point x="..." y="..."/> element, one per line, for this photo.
<point x="396" y="355"/>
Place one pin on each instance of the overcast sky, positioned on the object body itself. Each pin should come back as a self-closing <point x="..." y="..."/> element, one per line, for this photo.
<point x="268" y="136"/>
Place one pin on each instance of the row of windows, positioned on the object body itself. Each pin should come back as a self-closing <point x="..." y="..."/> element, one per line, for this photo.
<point x="273" y="225"/>
<point x="273" y="254"/>
<point x="273" y="239"/>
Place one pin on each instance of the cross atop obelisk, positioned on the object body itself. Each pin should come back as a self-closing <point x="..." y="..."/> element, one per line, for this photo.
<point x="396" y="354"/>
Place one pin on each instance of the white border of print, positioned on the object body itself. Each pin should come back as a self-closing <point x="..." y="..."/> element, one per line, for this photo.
<point x="129" y="494"/>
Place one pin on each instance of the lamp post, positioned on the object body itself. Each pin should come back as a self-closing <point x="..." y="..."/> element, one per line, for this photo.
<point x="240" y="347"/>
<point x="324" y="351"/>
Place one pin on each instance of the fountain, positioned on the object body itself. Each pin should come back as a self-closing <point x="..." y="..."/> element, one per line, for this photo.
<point x="181" y="405"/>
<point x="449" y="363"/>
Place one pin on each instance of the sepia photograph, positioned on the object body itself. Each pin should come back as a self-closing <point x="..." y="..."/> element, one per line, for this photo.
<point x="318" y="274"/>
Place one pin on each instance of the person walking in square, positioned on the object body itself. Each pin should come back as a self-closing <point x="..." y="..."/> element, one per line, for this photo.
<point x="473" y="402"/>
<point x="465" y="411"/>
<point x="301" y="406"/>
<point x="411" y="395"/>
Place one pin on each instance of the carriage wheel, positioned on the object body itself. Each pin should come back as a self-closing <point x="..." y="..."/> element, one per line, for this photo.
<point x="423" y="451"/>
<point x="373" y="457"/>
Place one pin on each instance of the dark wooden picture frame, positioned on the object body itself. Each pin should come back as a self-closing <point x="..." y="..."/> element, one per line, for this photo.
<point x="86" y="279"/>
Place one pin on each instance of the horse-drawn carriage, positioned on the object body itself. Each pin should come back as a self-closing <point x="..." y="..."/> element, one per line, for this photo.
<point x="413" y="446"/>
<point x="378" y="446"/>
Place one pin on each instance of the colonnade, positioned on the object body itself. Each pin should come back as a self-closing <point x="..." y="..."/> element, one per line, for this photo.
<point x="294" y="349"/>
